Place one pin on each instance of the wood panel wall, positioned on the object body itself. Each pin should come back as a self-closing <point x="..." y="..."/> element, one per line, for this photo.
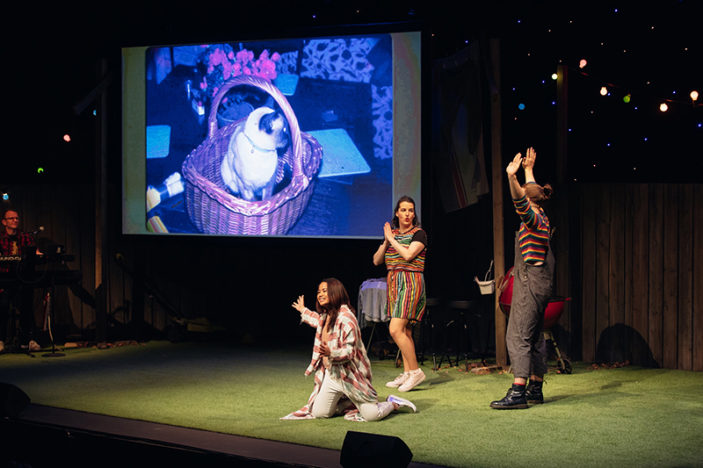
<point x="642" y="273"/>
<point x="637" y="292"/>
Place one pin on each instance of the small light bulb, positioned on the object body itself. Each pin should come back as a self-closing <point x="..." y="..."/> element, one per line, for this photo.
<point x="604" y="91"/>
<point x="663" y="107"/>
<point x="694" y="95"/>
<point x="626" y="99"/>
<point x="554" y="76"/>
<point x="583" y="63"/>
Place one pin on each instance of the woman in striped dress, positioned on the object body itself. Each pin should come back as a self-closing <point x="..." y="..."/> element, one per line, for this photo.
<point x="403" y="251"/>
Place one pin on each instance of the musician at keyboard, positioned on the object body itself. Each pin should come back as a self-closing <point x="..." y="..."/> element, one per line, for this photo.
<point x="15" y="243"/>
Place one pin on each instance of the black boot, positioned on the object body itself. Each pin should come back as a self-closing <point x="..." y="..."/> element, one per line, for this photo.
<point x="514" y="399"/>
<point x="533" y="392"/>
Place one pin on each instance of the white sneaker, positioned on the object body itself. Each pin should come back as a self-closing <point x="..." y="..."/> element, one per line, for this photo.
<point x="414" y="379"/>
<point x="402" y="402"/>
<point x="398" y="381"/>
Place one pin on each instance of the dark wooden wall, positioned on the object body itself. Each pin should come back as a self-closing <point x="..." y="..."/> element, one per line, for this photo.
<point x="155" y="281"/>
<point x="636" y="290"/>
<point x="642" y="274"/>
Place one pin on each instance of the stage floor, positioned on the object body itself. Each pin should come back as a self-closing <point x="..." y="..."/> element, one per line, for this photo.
<point x="224" y="402"/>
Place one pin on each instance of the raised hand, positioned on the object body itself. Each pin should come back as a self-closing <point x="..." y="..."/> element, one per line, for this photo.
<point x="529" y="161"/>
<point x="299" y="304"/>
<point x="514" y="165"/>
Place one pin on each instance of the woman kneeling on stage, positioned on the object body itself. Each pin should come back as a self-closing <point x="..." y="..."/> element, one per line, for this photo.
<point x="342" y="368"/>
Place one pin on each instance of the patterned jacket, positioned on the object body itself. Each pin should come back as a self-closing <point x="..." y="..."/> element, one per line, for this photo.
<point x="348" y="363"/>
<point x="15" y="246"/>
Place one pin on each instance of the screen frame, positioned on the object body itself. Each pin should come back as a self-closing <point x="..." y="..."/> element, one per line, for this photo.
<point x="133" y="208"/>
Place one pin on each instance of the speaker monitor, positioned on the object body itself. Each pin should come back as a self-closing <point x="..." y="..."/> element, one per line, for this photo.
<point x="12" y="400"/>
<point x="373" y="450"/>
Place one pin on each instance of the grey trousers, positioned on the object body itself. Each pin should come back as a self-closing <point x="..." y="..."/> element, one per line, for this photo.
<point x="532" y="288"/>
<point x="325" y="405"/>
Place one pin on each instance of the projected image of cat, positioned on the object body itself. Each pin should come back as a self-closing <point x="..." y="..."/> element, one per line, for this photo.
<point x="249" y="165"/>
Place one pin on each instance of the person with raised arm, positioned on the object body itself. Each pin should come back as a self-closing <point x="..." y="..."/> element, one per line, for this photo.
<point x="339" y="362"/>
<point x="533" y="272"/>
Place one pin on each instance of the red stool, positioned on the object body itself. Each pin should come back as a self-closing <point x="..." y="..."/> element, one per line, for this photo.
<point x="552" y="313"/>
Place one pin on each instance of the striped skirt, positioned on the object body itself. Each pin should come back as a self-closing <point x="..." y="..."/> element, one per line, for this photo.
<point x="406" y="294"/>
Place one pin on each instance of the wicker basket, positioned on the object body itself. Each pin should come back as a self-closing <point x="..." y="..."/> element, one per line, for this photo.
<point x="214" y="210"/>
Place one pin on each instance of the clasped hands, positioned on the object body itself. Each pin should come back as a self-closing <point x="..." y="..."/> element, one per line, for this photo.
<point x="388" y="232"/>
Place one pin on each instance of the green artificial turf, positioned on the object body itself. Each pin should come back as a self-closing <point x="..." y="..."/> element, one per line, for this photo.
<point x="625" y="416"/>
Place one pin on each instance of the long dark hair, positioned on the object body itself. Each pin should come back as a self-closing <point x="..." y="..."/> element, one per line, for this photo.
<point x="404" y="198"/>
<point x="337" y="296"/>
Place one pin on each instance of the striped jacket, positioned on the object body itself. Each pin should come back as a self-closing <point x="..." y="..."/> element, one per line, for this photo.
<point x="348" y="362"/>
<point x="533" y="237"/>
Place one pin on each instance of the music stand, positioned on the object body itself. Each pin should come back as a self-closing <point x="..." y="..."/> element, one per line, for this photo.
<point x="48" y="309"/>
<point x="48" y="319"/>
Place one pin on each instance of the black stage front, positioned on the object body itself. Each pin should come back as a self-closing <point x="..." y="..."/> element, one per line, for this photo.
<point x="46" y="436"/>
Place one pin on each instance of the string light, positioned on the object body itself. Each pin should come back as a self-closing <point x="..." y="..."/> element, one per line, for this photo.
<point x="605" y="90"/>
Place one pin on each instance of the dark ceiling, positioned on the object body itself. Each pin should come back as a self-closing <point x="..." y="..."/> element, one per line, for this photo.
<point x="652" y="50"/>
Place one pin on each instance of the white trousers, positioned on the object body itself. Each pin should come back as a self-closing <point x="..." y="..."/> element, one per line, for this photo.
<point x="325" y="404"/>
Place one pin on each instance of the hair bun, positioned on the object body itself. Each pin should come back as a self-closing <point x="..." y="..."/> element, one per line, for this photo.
<point x="548" y="192"/>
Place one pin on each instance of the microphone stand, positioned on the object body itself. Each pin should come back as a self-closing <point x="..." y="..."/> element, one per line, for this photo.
<point x="48" y="317"/>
